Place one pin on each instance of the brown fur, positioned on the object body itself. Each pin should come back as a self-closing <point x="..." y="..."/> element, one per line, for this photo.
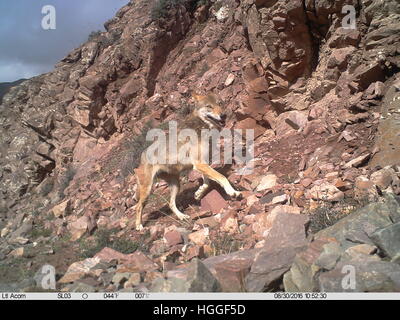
<point x="206" y="107"/>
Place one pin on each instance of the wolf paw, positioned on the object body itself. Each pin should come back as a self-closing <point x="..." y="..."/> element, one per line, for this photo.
<point x="198" y="195"/>
<point x="236" y="195"/>
<point x="139" y="227"/>
<point x="183" y="216"/>
<point x="201" y="191"/>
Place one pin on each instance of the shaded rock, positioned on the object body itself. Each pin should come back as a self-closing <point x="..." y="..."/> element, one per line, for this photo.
<point x="133" y="281"/>
<point x="79" y="286"/>
<point x="367" y="74"/>
<point x="286" y="238"/>
<point x="370" y="276"/>
<point x="197" y="278"/>
<point x="169" y="285"/>
<point x="388" y="240"/>
<point x="232" y="274"/>
<point x="388" y="142"/>
<point x="303" y="272"/>
<point x="200" y="279"/>
<point x="360" y="225"/>
<point x="120" y="278"/>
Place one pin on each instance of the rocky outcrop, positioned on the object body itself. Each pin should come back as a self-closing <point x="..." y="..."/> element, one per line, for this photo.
<point x="5" y="87"/>
<point x="364" y="245"/>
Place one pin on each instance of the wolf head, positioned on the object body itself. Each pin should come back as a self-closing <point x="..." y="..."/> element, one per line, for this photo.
<point x="209" y="111"/>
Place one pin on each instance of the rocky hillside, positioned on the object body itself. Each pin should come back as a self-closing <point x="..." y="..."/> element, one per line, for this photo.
<point x="5" y="87"/>
<point x="325" y="105"/>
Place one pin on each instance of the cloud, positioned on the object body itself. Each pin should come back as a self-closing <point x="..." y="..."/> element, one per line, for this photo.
<point x="28" y="50"/>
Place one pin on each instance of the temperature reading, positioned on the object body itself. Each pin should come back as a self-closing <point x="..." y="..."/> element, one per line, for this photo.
<point x="110" y="296"/>
<point x="141" y="295"/>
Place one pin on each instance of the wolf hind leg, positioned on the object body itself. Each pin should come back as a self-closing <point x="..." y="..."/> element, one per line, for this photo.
<point x="174" y="184"/>
<point x="145" y="179"/>
<point x="202" y="189"/>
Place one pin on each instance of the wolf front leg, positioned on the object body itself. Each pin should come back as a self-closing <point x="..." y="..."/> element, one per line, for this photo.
<point x="212" y="174"/>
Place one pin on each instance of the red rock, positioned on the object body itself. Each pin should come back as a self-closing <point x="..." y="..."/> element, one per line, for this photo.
<point x="209" y="222"/>
<point x="286" y="238"/>
<point x="280" y="199"/>
<point x="326" y="192"/>
<point x="213" y="202"/>
<point x="344" y="37"/>
<point x="357" y="162"/>
<point x="173" y="238"/>
<point x="134" y="262"/>
<point x="78" y="270"/>
<point x="340" y="57"/>
<point x="292" y="120"/>
<point x="230" y="224"/>
<point x="267" y="182"/>
<point x="79" y="227"/>
<point x="199" y="237"/>
<point x="195" y="252"/>
<point x="254" y="107"/>
<point x="366" y="74"/>
<point x="231" y="274"/>
<point x="383" y="178"/>
<point x="258" y="85"/>
<point x="250" y="123"/>
<point x="306" y="182"/>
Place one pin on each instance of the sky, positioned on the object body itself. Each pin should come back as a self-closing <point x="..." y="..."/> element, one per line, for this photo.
<point x="27" y="50"/>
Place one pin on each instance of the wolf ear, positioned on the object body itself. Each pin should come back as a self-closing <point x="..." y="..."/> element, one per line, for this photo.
<point x="197" y="97"/>
<point x="212" y="97"/>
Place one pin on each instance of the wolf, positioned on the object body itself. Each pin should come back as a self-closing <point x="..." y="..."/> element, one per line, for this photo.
<point x="207" y="114"/>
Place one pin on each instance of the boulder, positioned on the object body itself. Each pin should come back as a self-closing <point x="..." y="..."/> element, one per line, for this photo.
<point x="267" y="182"/>
<point x="388" y="240"/>
<point x="343" y="257"/>
<point x="286" y="238"/>
<point x="213" y="202"/>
